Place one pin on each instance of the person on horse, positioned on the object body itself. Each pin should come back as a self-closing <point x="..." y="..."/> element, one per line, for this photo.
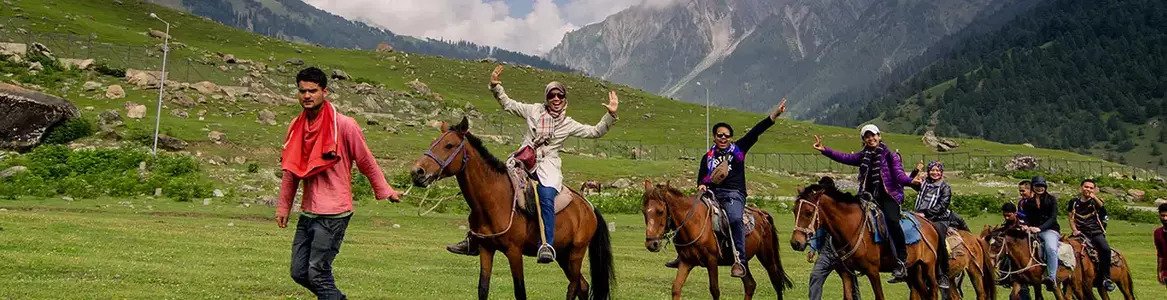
<point x="827" y="262"/>
<point x="548" y="127"/>
<point x="320" y="149"/>
<point x="932" y="203"/>
<point x="1012" y="218"/>
<point x="1040" y="217"/>
<point x="1161" y="245"/>
<point x="882" y="180"/>
<point x="723" y="172"/>
<point x="1088" y="219"/>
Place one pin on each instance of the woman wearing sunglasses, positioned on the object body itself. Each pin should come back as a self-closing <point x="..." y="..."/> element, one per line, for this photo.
<point x="548" y="127"/>
<point x="723" y="172"/>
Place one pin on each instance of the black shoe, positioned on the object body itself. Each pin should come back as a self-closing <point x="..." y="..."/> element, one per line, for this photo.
<point x="465" y="247"/>
<point x="943" y="281"/>
<point x="900" y="274"/>
<point x="546" y="254"/>
<point x="1108" y="285"/>
<point x="673" y="264"/>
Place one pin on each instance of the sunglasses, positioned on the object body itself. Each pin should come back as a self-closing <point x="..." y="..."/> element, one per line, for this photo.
<point x="556" y="96"/>
<point x="723" y="136"/>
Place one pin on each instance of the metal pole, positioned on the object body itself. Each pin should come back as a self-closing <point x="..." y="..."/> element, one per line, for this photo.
<point x="161" y="85"/>
<point x="707" y="130"/>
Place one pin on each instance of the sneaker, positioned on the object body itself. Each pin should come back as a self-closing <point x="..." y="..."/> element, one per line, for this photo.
<point x="900" y="274"/>
<point x="465" y="247"/>
<point x="738" y="270"/>
<point x="675" y="263"/>
<point x="546" y="254"/>
<point x="943" y="281"/>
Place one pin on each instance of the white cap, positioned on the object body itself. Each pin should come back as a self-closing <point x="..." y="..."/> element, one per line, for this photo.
<point x="868" y="128"/>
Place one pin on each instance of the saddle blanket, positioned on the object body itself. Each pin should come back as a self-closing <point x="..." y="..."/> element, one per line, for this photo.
<point x="911" y="231"/>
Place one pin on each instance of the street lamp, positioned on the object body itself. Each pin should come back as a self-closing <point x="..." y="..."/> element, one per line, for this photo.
<point x="161" y="84"/>
<point x="707" y="132"/>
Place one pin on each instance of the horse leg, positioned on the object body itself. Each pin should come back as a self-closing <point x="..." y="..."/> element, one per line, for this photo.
<point x="679" y="282"/>
<point x="485" y="264"/>
<point x="714" y="285"/>
<point x="1015" y="294"/>
<point x="976" y="279"/>
<point x="1124" y="281"/>
<point x="515" y="257"/>
<point x="849" y="286"/>
<point x="772" y="270"/>
<point x="749" y="284"/>
<point x="876" y="284"/>
<point x="570" y="262"/>
<point x="916" y="283"/>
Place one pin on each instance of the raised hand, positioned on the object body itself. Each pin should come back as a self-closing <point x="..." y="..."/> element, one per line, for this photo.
<point x="495" y="74"/>
<point x="818" y="143"/>
<point x="613" y="102"/>
<point x="781" y="108"/>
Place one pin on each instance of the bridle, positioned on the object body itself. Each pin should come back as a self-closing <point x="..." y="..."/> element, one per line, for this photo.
<point x="809" y="230"/>
<point x="669" y="236"/>
<point x="442" y="164"/>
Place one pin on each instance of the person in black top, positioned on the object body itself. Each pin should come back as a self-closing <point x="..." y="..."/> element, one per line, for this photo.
<point x="723" y="172"/>
<point x="1088" y="220"/>
<point x="1040" y="216"/>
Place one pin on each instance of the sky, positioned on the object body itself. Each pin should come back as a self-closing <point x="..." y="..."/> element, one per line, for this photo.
<point x="527" y="26"/>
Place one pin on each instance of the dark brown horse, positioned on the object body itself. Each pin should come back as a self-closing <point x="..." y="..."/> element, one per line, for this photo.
<point x="696" y="243"/>
<point x="498" y="226"/>
<point x="971" y="259"/>
<point x="1084" y="274"/>
<point x="1012" y="251"/>
<point x="823" y="205"/>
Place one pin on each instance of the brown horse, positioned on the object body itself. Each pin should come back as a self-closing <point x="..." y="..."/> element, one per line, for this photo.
<point x="498" y="226"/>
<point x="1084" y="274"/>
<point x="971" y="259"/>
<point x="1012" y="251"/>
<point x="823" y="205"/>
<point x="697" y="244"/>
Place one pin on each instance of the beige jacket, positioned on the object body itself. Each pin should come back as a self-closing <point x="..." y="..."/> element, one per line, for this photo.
<point x="548" y="165"/>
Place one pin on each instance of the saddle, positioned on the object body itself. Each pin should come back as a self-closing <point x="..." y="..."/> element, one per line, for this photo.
<point x="955" y="244"/>
<point x="526" y="193"/>
<point x="722" y="231"/>
<point x="1066" y="256"/>
<point x="878" y="230"/>
<point x="1092" y="253"/>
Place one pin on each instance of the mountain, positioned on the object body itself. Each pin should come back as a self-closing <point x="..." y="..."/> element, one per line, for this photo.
<point x="750" y="52"/>
<point x="1089" y="76"/>
<point x="297" y="21"/>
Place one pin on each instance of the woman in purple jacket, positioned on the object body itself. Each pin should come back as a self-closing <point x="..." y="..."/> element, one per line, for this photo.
<point x="881" y="179"/>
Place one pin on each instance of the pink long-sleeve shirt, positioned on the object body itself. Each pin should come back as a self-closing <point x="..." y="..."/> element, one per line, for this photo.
<point x="330" y="191"/>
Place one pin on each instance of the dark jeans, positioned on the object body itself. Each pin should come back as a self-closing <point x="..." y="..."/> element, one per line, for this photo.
<point x="891" y="220"/>
<point x="547" y="211"/>
<point x="316" y="243"/>
<point x="942" y="251"/>
<point x="734" y="204"/>
<point x="822" y="269"/>
<point x="1102" y="269"/>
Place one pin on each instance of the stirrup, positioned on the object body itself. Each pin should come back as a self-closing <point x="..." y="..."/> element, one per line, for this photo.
<point x="546" y="254"/>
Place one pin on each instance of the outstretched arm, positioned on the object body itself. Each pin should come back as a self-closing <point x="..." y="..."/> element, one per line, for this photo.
<point x="509" y="105"/>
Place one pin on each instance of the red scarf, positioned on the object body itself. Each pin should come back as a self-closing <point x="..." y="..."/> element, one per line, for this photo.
<point x="310" y="146"/>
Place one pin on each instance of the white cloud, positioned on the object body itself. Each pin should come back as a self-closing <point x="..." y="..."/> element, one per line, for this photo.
<point x="485" y="22"/>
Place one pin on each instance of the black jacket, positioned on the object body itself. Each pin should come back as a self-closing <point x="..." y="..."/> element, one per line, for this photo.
<point x="1041" y="212"/>
<point x="737" y="168"/>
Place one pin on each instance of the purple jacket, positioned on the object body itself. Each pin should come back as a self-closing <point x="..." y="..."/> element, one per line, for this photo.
<point x="891" y="172"/>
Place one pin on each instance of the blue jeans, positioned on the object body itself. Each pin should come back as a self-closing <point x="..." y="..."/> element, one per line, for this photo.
<point x="547" y="211"/>
<point x="734" y="204"/>
<point x="1050" y="240"/>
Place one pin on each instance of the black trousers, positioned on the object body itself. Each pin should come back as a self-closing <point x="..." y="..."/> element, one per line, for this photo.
<point x="1102" y="269"/>
<point x="316" y="244"/>
<point x="891" y="218"/>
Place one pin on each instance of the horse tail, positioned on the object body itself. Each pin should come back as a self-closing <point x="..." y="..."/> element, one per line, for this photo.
<point x="988" y="274"/>
<point x="784" y="279"/>
<point x="600" y="257"/>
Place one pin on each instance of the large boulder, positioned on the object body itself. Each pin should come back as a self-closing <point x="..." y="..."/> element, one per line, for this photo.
<point x="339" y="74"/>
<point x="90" y="86"/>
<point x="384" y="47"/>
<point x="940" y="144"/>
<point x="143" y="78"/>
<point x="73" y="63"/>
<point x="171" y="143"/>
<point x="206" y="87"/>
<point x="158" y="34"/>
<point x="266" y="117"/>
<point x="420" y="87"/>
<point x="1022" y="163"/>
<point x="26" y="115"/>
<point x="15" y="51"/>
<point x="109" y="119"/>
<point x="135" y="111"/>
<point x="115" y="92"/>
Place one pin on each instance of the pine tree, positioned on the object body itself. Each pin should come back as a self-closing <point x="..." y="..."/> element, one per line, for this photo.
<point x="1155" y="149"/>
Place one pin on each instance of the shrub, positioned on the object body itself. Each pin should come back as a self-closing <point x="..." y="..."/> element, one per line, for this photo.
<point x="110" y="71"/>
<point x="56" y="170"/>
<point x="68" y="131"/>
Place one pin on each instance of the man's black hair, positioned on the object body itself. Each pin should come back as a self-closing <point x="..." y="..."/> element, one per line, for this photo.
<point x="720" y="125"/>
<point x="313" y="75"/>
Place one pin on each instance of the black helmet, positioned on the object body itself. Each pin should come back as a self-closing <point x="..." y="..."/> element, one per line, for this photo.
<point x="1039" y="181"/>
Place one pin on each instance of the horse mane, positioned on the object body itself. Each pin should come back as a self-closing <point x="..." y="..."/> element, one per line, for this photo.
<point x="665" y="190"/>
<point x="490" y="159"/>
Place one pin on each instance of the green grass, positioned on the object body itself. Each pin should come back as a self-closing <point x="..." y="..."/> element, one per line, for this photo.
<point x="143" y="248"/>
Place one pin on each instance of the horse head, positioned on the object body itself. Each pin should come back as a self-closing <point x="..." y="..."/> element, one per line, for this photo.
<point x="656" y="214"/>
<point x="807" y="212"/>
<point x="447" y="155"/>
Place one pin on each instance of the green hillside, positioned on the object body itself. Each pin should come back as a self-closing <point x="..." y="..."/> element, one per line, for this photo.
<point x="667" y="130"/>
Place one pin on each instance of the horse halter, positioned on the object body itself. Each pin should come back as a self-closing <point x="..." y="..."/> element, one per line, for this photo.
<point x="810" y="227"/>
<point x="442" y="164"/>
<point x="669" y="235"/>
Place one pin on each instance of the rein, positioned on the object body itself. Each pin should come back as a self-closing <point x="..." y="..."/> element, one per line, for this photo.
<point x="857" y="243"/>
<point x="670" y="235"/>
<point x="443" y="163"/>
<point x="1002" y="275"/>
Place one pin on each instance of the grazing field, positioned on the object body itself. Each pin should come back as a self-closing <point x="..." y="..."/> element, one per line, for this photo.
<point x="153" y="249"/>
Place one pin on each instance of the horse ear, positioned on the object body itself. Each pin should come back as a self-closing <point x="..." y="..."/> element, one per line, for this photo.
<point x="462" y="127"/>
<point x="647" y="185"/>
<point x="668" y="183"/>
<point x="444" y="127"/>
<point x="827" y="182"/>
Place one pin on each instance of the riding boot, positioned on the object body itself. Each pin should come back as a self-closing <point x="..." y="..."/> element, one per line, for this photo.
<point x="900" y="274"/>
<point x="1107" y="284"/>
<point x="673" y="264"/>
<point x="546" y="254"/>
<point x="943" y="281"/>
<point x="465" y="247"/>
<point x="738" y="271"/>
